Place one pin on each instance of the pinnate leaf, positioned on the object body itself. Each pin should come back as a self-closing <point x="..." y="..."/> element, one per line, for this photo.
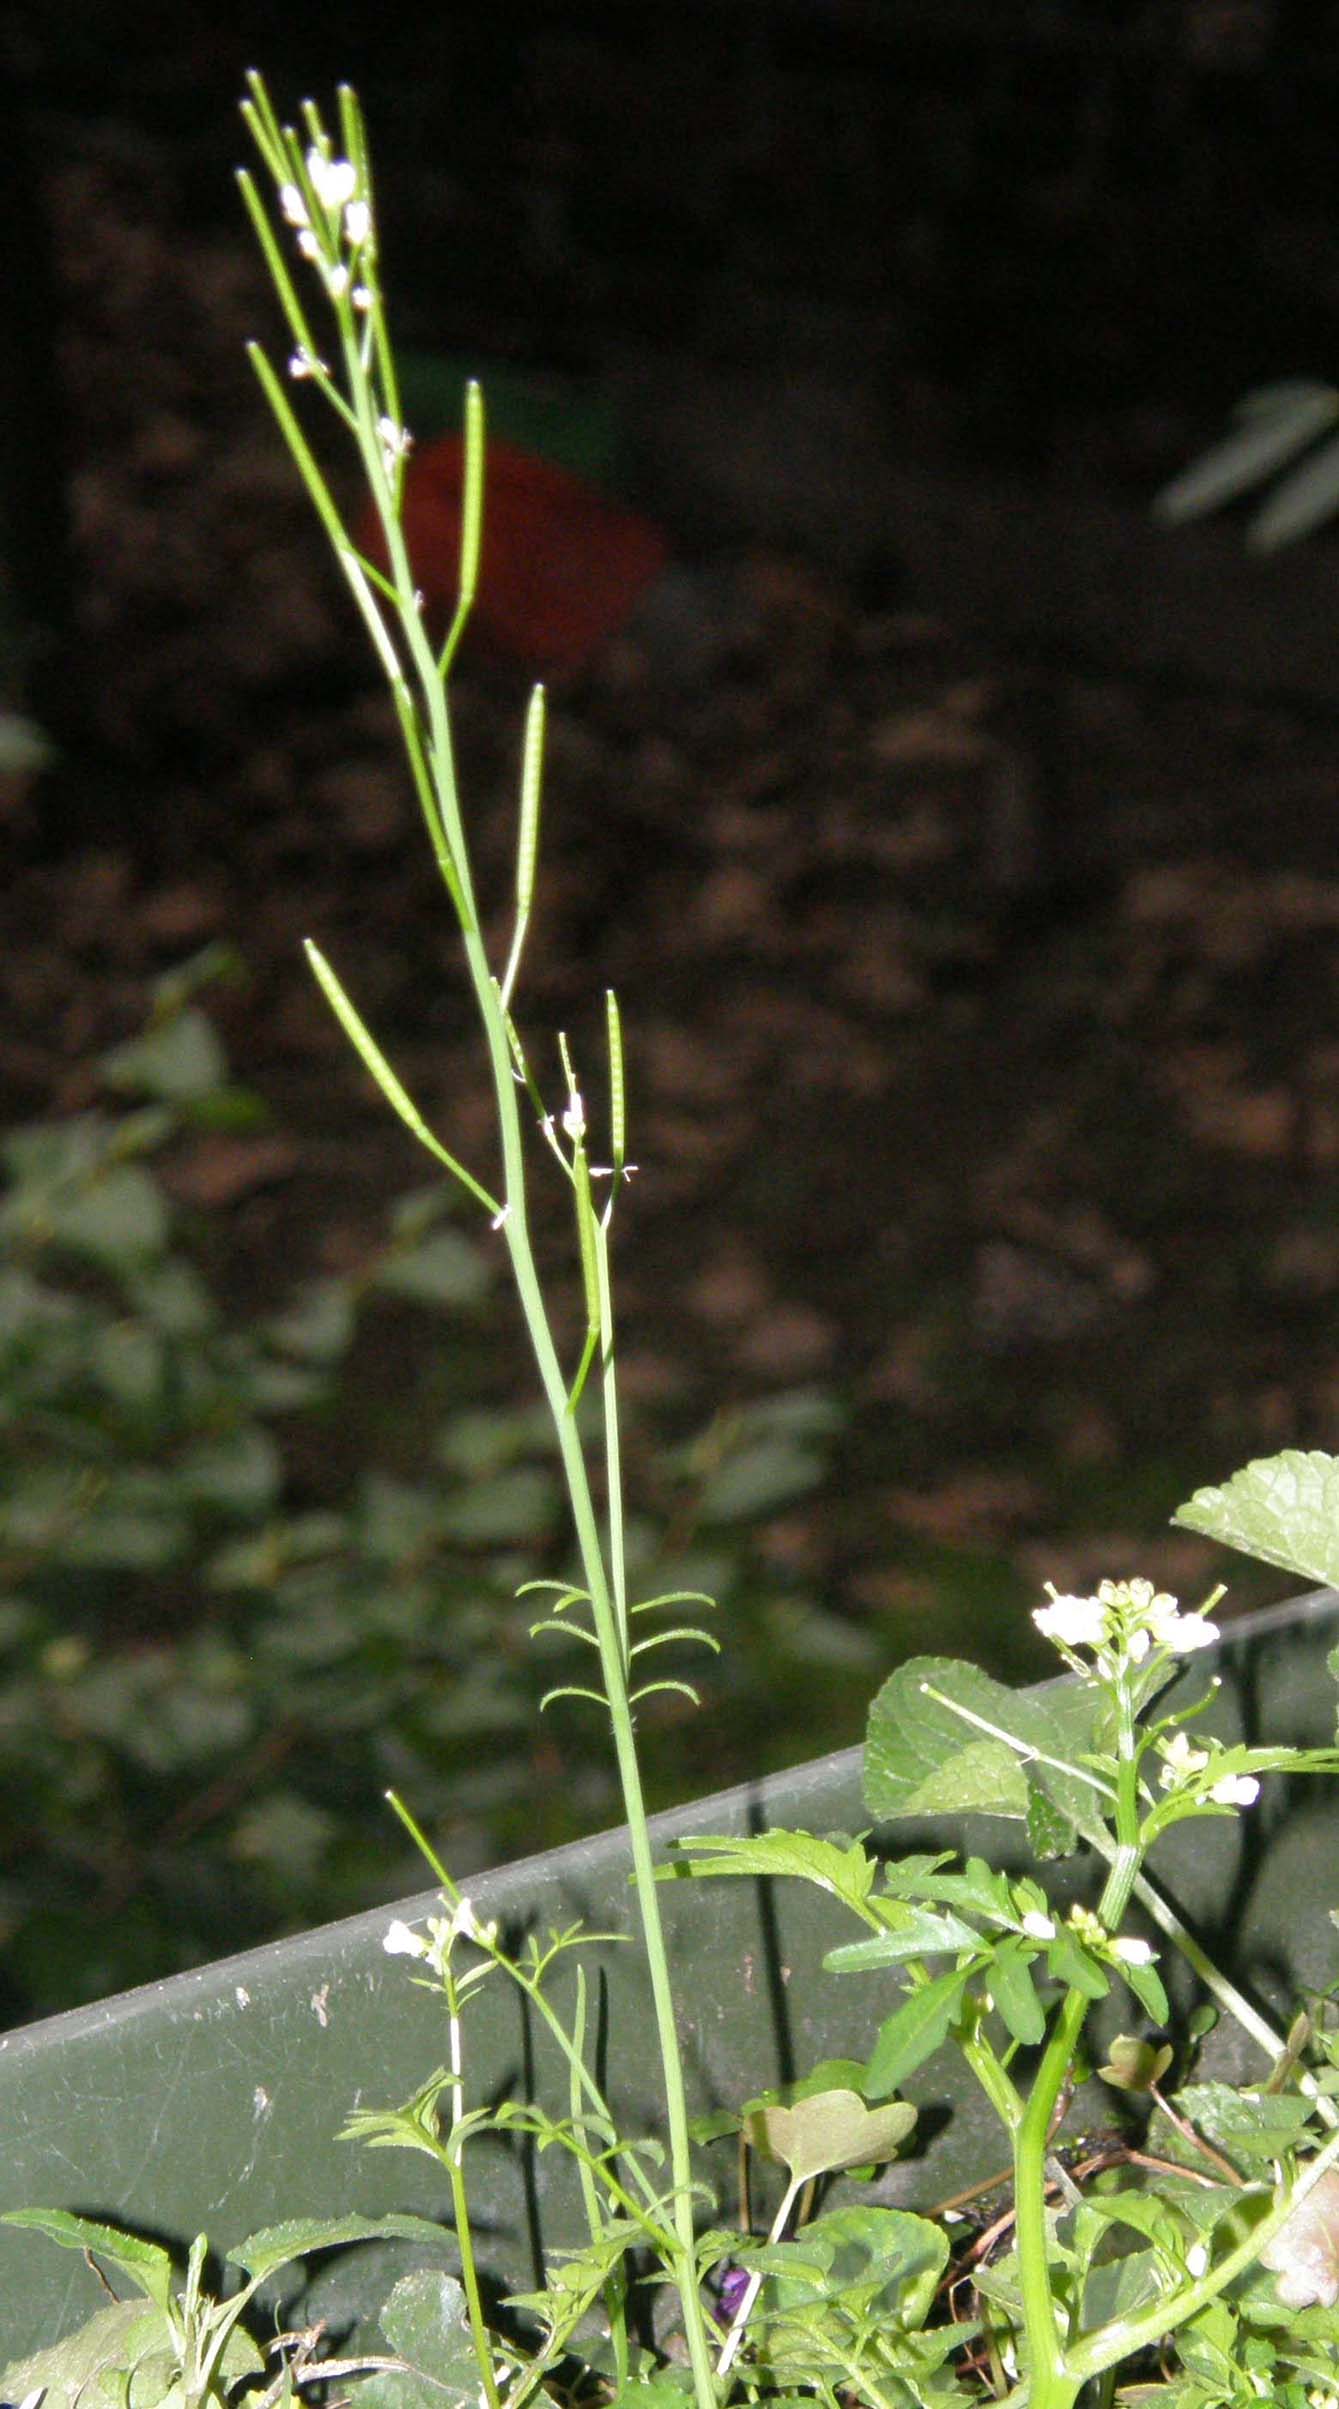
<point x="912" y="1932"/>
<point x="843" y="1868"/>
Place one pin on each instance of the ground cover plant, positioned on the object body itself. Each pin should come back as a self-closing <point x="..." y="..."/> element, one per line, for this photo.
<point x="1195" y="2257"/>
<point x="217" y="1631"/>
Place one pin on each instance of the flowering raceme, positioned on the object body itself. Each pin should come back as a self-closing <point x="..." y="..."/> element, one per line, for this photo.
<point x="1122" y="1624"/>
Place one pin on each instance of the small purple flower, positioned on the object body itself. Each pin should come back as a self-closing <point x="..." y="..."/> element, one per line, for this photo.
<point x="734" y="2283"/>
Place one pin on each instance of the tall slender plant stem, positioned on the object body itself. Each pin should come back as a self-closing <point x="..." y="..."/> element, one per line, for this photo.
<point x="313" y="191"/>
<point x="1053" y="2384"/>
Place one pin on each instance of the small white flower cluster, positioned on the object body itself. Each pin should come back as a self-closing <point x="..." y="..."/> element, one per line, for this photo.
<point x="1125" y="1951"/>
<point x="345" y="225"/>
<point x="434" y="1946"/>
<point x="1181" y="1764"/>
<point x="1123" y="1624"/>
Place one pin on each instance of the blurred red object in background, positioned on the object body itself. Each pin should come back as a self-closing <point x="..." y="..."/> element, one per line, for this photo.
<point x="562" y="568"/>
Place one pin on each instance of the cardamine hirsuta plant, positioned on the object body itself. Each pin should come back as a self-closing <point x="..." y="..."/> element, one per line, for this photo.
<point x="1189" y="2251"/>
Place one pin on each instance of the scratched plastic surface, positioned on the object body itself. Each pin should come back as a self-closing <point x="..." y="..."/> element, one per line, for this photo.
<point x="211" y="2102"/>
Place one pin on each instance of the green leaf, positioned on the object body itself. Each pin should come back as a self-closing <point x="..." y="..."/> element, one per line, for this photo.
<point x="1300" y="502"/>
<point x="664" y="2390"/>
<point x="179" y="1060"/>
<point x="922" y="1757"/>
<point x="1075" y="1967"/>
<point x="829" y="2131"/>
<point x="883" y="2264"/>
<point x="1146" y="1984"/>
<point x="917" y="1932"/>
<point x="444" y="1269"/>
<point x="1014" y="1994"/>
<point x="916" y="2030"/>
<point x="1282" y="1508"/>
<point x="276" y="2245"/>
<point x="124" y="2358"/>
<point x="1050" y="1833"/>
<point x="1274" y="424"/>
<point x="426" y="2324"/>
<point x="146" y="2263"/>
<point x="240" y="1472"/>
<point x="513" y="1506"/>
<point x="319" y="1326"/>
<point x="117" y="1219"/>
<point x="1248" y="2125"/>
<point x="1134" y="2065"/>
<point x="978" y="1888"/>
<point x="846" y="1871"/>
<point x="769" y="1473"/>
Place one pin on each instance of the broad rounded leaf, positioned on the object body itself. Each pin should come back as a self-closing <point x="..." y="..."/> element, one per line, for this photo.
<point x="923" y="1756"/>
<point x="829" y="2131"/>
<point x="122" y="2359"/>
<point x="426" y="2324"/>
<point x="1282" y="1508"/>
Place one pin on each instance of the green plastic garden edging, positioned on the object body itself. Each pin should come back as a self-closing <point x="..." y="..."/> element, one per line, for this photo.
<point x="211" y="2102"/>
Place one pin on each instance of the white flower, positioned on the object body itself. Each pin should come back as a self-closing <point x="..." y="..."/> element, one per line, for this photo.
<point x="395" y="443"/>
<point x="334" y="181"/>
<point x="292" y="204"/>
<point x="401" y="1940"/>
<point x="574" y="1119"/>
<point x="305" y="363"/>
<point x="308" y="244"/>
<point x="1235" y="1790"/>
<point x="336" y="281"/>
<point x="463" y="1919"/>
<point x="1180" y="1760"/>
<point x="1132" y="1952"/>
<point x="1197" y="2259"/>
<point x="1182" y="1634"/>
<point x="361" y="297"/>
<point x="357" y="224"/>
<point x="1037" y="1926"/>
<point x="1072" y="1622"/>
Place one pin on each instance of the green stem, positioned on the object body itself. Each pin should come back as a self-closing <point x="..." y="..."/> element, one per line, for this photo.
<point x="1053" y="2382"/>
<point x="739" y="2322"/>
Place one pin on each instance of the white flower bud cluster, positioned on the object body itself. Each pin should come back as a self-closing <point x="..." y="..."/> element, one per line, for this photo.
<point x="1182" y="1764"/>
<point x="339" y="239"/>
<point x="434" y="1946"/>
<point x="1123" y="1624"/>
<point x="1122" y="1951"/>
